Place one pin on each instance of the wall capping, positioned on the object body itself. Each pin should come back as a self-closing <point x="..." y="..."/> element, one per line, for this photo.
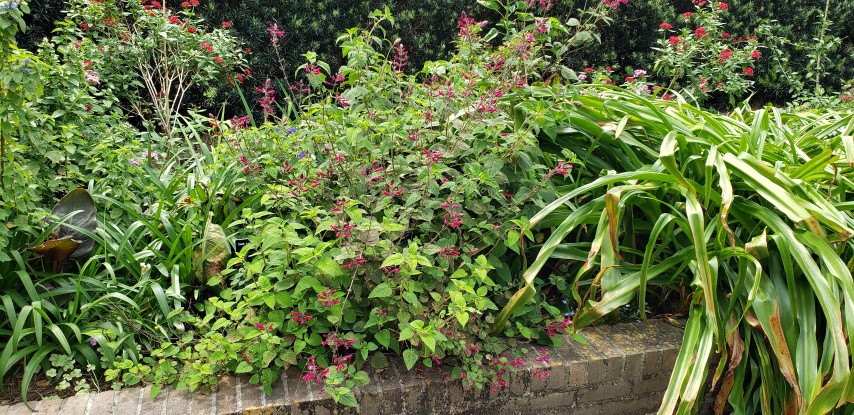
<point x="624" y="370"/>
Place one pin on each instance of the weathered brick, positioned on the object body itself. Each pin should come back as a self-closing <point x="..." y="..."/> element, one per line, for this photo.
<point x="665" y="333"/>
<point x="634" y="406"/>
<point x="22" y="409"/>
<point x="577" y="365"/>
<point x="604" y="392"/>
<point x="588" y="410"/>
<point x="177" y="401"/>
<point x="156" y="406"/>
<point x="299" y="392"/>
<point x="201" y="403"/>
<point x="392" y="394"/>
<point x="633" y="342"/>
<point x="597" y="369"/>
<point x="279" y="399"/>
<point x="551" y="400"/>
<point x="129" y="401"/>
<point x="51" y="407"/>
<point x="558" y="378"/>
<point x="614" y="355"/>
<point x="226" y="396"/>
<point x="668" y="359"/>
<point x="414" y="392"/>
<point x="103" y="403"/>
<point x="519" y="382"/>
<point x="650" y="385"/>
<point x="437" y="382"/>
<point x="75" y="405"/>
<point x="251" y="397"/>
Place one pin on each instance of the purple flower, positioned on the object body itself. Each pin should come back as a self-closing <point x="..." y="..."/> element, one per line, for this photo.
<point x="93" y="341"/>
<point x="134" y="161"/>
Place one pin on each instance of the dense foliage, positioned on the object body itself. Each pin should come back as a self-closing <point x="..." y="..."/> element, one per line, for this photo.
<point x="368" y="207"/>
<point x="805" y="38"/>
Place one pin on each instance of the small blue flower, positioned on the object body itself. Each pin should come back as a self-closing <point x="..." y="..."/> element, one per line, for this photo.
<point x="564" y="301"/>
<point x="301" y="155"/>
<point x="292" y="130"/>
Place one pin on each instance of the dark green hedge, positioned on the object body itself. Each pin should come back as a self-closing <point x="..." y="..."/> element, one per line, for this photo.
<point x="427" y="28"/>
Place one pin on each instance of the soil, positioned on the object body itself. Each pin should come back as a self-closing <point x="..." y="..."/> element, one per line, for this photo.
<point x="40" y="388"/>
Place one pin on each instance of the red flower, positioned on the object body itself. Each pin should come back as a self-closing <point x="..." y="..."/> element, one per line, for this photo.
<point x="701" y="33"/>
<point x="726" y="54"/>
<point x="755" y="54"/>
<point x="185" y="4"/>
<point x="589" y="69"/>
<point x="674" y="40"/>
<point x="630" y="79"/>
<point x="748" y="71"/>
<point x="687" y="15"/>
<point x="191" y="29"/>
<point x="85" y="26"/>
<point x="247" y="72"/>
<point x="723" y="6"/>
<point x="726" y="35"/>
<point x="206" y="47"/>
<point x="665" y="26"/>
<point x="218" y="60"/>
<point x="194" y="3"/>
<point x="174" y="20"/>
<point x="240" y="78"/>
<point x="226" y="25"/>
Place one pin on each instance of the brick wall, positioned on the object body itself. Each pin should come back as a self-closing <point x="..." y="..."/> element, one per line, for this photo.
<point x="624" y="370"/>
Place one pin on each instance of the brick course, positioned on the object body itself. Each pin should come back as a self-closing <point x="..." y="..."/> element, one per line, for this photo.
<point x="624" y="370"/>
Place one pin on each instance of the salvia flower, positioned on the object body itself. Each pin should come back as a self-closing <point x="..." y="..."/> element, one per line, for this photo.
<point x="300" y="317"/>
<point x="275" y="33"/>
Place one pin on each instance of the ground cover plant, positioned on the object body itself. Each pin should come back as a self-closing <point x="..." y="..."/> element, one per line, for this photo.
<point x="370" y="211"/>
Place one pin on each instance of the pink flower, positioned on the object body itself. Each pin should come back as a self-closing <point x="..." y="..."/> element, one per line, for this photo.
<point x="665" y="26"/>
<point x="275" y="33"/>
<point x="615" y="3"/>
<point x="226" y="25"/>
<point x="723" y="6"/>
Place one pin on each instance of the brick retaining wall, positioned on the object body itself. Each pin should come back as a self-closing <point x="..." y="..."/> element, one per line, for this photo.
<point x="624" y="370"/>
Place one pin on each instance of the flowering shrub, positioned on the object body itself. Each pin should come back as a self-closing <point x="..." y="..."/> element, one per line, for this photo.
<point x="152" y="54"/>
<point x="701" y="58"/>
<point x="390" y="208"/>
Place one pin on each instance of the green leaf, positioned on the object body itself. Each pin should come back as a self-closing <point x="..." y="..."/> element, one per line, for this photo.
<point x="384" y="337"/>
<point x="410" y="357"/>
<point x="381" y="291"/>
<point x="243" y="367"/>
<point x="345" y="397"/>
